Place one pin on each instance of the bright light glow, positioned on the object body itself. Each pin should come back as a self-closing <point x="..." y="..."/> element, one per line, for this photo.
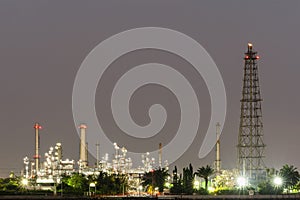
<point x="249" y="44"/>
<point x="241" y="181"/>
<point x="257" y="57"/>
<point x="167" y="185"/>
<point x="92" y="184"/>
<point x="24" y="181"/>
<point x="211" y="189"/>
<point x="196" y="184"/>
<point x="277" y="181"/>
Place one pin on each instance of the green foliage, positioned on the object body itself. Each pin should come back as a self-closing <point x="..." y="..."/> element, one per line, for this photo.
<point x="111" y="183"/>
<point x="290" y="176"/>
<point x="205" y="172"/>
<point x="155" y="178"/>
<point x="227" y="191"/>
<point x="201" y="191"/>
<point x="106" y="184"/>
<point x="188" y="180"/>
<point x="269" y="188"/>
<point x="10" y="184"/>
<point x="78" y="182"/>
<point x="177" y="187"/>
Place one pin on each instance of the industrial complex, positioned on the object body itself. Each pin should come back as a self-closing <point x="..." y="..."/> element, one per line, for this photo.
<point x="48" y="169"/>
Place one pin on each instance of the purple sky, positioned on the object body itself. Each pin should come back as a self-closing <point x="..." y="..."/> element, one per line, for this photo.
<point x="43" y="43"/>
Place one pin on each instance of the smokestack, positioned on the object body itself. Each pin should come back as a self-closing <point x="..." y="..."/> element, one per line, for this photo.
<point x="36" y="156"/>
<point x="218" y="159"/>
<point x="160" y="156"/>
<point x="83" y="147"/>
<point x="97" y="154"/>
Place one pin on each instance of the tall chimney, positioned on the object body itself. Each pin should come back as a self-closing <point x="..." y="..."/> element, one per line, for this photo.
<point x="36" y="156"/>
<point x="218" y="159"/>
<point x="83" y="147"/>
<point x="160" y="156"/>
<point x="97" y="154"/>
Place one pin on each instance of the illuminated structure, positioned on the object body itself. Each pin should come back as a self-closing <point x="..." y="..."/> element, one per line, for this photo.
<point x="48" y="173"/>
<point x="160" y="156"/>
<point x="218" y="158"/>
<point x="250" y="140"/>
<point x="97" y="154"/>
<point x="36" y="156"/>
<point x="26" y="163"/>
<point x="83" y="147"/>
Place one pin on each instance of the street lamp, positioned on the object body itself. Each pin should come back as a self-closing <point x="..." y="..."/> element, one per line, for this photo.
<point x="92" y="185"/>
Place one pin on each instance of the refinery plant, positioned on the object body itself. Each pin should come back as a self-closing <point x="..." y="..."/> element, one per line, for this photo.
<point x="249" y="173"/>
<point x="250" y="148"/>
<point x="46" y="172"/>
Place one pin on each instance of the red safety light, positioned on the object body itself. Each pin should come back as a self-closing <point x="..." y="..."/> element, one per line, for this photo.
<point x="37" y="126"/>
<point x="246" y="57"/>
<point x="257" y="57"/>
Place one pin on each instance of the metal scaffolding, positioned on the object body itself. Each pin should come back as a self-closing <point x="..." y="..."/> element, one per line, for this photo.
<point x="250" y="140"/>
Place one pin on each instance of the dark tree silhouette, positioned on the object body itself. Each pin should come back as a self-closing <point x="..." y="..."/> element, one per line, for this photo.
<point x="188" y="179"/>
<point x="155" y="178"/>
<point x="205" y="172"/>
<point x="290" y="176"/>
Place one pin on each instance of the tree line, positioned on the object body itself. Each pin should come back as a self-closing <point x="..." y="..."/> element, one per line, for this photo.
<point x="160" y="180"/>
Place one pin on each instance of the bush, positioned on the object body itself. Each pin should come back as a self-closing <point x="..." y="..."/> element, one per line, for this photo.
<point x="227" y="191"/>
<point x="202" y="191"/>
<point x="267" y="188"/>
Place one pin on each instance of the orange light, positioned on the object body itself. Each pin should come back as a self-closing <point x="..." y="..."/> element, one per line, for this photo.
<point x="83" y="126"/>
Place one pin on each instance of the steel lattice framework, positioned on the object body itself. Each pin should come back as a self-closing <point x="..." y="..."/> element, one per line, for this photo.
<point x="250" y="140"/>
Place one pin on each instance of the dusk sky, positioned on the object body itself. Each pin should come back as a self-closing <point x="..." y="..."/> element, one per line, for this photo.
<point x="43" y="43"/>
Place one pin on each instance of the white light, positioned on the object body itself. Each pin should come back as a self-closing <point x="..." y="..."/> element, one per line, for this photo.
<point x="249" y="44"/>
<point x="241" y="181"/>
<point x="167" y="184"/>
<point x="92" y="184"/>
<point x="196" y="184"/>
<point x="278" y="181"/>
<point x="211" y="189"/>
<point x="24" y="181"/>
